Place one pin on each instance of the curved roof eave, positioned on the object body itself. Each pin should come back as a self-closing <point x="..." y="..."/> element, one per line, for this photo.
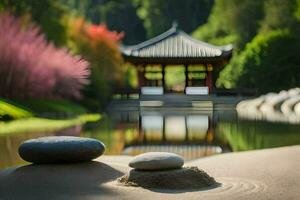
<point x="133" y="50"/>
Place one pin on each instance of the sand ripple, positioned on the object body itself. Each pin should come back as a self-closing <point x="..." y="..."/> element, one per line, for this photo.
<point x="237" y="186"/>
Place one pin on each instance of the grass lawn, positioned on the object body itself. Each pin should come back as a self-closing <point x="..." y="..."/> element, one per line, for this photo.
<point x="28" y="108"/>
<point x="13" y="110"/>
<point x="53" y="106"/>
<point x="34" y="124"/>
<point x="24" y="114"/>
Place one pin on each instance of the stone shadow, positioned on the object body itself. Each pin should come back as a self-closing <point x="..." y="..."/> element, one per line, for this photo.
<point x="52" y="181"/>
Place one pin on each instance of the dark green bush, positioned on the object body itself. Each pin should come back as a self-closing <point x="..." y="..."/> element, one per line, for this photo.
<point x="269" y="62"/>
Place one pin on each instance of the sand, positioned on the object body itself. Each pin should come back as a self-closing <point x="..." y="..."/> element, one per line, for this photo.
<point x="261" y="174"/>
<point x="186" y="178"/>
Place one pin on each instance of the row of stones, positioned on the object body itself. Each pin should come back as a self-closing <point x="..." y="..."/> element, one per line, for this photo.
<point x="150" y="170"/>
<point x="283" y="106"/>
<point x="64" y="149"/>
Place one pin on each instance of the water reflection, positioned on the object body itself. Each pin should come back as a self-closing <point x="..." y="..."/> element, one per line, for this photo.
<point x="188" y="133"/>
<point x="197" y="127"/>
<point x="152" y="127"/>
<point x="249" y="135"/>
<point x="192" y="134"/>
<point x="175" y="128"/>
<point x="9" y="144"/>
<point x="187" y="128"/>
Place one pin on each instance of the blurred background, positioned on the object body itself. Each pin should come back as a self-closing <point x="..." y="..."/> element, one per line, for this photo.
<point x="60" y="61"/>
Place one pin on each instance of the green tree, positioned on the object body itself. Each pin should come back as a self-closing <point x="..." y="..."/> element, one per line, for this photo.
<point x="279" y="14"/>
<point x="120" y="15"/>
<point x="270" y="62"/>
<point x="266" y="37"/>
<point x="232" y="21"/>
<point x="100" y="47"/>
<point x="88" y="9"/>
<point x="47" y="14"/>
<point x="158" y="15"/>
<point x="298" y="10"/>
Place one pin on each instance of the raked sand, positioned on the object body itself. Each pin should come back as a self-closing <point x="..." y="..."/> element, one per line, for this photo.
<point x="262" y="174"/>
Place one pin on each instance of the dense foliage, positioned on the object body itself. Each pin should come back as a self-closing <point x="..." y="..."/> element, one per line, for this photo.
<point x="121" y="15"/>
<point x="265" y="35"/>
<point x="32" y="68"/>
<point x="141" y="19"/>
<point x="47" y="14"/>
<point x="100" y="47"/>
<point x="158" y="15"/>
<point x="232" y="21"/>
<point x="269" y="61"/>
<point x="266" y="38"/>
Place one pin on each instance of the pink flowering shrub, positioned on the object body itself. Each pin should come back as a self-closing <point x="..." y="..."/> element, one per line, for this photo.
<point x="30" y="67"/>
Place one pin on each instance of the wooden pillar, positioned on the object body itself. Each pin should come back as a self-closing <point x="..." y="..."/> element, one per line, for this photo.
<point x="141" y="75"/>
<point x="186" y="129"/>
<point x="210" y="132"/>
<point x="209" y="81"/>
<point x="163" y="77"/>
<point x="141" y="132"/>
<point x="186" y="73"/>
<point x="164" y="129"/>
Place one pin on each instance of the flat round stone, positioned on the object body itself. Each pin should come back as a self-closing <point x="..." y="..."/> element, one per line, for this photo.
<point x="61" y="149"/>
<point x="157" y="161"/>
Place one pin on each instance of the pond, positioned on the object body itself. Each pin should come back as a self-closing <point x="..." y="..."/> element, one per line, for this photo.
<point x="190" y="133"/>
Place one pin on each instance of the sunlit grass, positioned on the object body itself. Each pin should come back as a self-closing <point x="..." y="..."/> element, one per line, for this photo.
<point x="56" y="106"/>
<point x="8" y="108"/>
<point x="25" y="119"/>
<point x="28" y="108"/>
<point x="34" y="124"/>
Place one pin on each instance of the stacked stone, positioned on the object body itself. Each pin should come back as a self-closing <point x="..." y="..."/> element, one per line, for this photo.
<point x="60" y="149"/>
<point x="277" y="107"/>
<point x="164" y="171"/>
<point x="157" y="161"/>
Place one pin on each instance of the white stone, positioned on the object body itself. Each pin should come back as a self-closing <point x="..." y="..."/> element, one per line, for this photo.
<point x="157" y="161"/>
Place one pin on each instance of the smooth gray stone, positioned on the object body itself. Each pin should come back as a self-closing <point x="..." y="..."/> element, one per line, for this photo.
<point x="60" y="149"/>
<point x="157" y="161"/>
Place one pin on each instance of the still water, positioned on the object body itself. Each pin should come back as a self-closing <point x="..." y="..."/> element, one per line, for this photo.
<point x="192" y="134"/>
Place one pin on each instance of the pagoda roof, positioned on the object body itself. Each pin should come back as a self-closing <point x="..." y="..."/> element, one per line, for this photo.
<point x="175" y="47"/>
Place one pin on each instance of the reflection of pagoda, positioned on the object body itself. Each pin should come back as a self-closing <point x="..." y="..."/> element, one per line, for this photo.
<point x="188" y="135"/>
<point x="174" y="129"/>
